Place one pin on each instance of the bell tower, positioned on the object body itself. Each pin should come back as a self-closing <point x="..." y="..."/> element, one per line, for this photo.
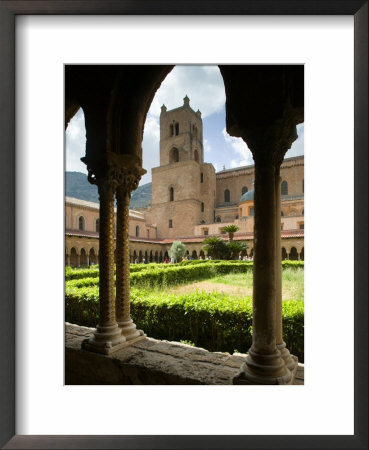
<point x="183" y="186"/>
<point x="180" y="134"/>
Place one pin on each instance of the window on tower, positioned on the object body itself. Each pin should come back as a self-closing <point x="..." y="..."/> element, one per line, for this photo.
<point x="177" y="128"/>
<point x="171" y="194"/>
<point x="227" y="196"/>
<point x="171" y="129"/>
<point x="284" y="188"/>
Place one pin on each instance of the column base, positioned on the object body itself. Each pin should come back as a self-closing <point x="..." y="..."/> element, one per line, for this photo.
<point x="130" y="332"/>
<point x="105" y="340"/>
<point x="264" y="370"/>
<point x="291" y="361"/>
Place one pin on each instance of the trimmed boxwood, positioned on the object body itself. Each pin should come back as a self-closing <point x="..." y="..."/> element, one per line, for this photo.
<point x="215" y="321"/>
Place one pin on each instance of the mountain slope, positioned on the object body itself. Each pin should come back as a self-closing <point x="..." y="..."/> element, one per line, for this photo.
<point x="77" y="186"/>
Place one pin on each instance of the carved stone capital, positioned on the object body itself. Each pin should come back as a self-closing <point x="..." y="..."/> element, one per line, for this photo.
<point x="115" y="170"/>
<point x="269" y="143"/>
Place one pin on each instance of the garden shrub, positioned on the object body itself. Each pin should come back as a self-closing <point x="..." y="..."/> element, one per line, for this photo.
<point x="215" y="321"/>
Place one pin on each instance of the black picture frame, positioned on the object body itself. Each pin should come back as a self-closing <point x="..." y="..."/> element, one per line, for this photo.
<point x="8" y="10"/>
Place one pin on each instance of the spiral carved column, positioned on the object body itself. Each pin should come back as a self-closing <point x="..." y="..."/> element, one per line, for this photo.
<point x="290" y="361"/>
<point x="107" y="336"/>
<point x="124" y="320"/>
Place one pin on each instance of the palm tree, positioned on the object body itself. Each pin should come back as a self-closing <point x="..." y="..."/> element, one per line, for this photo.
<point x="230" y="229"/>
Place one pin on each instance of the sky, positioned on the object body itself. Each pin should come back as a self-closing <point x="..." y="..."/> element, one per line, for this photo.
<point x="204" y="86"/>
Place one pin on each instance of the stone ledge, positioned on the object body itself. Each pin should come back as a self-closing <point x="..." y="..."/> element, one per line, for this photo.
<point x="149" y="361"/>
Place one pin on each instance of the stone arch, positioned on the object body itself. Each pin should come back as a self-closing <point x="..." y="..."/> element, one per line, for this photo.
<point x="194" y="254"/>
<point x="227" y="196"/>
<point x="83" y="257"/>
<point x="161" y="257"/>
<point x="173" y="155"/>
<point x="166" y="254"/>
<point x="92" y="256"/>
<point x="293" y="254"/>
<point x="73" y="257"/>
<point x="284" y="254"/>
<point x="302" y="254"/>
<point x="156" y="257"/>
<point x="151" y="259"/>
<point x="202" y="254"/>
<point x="146" y="256"/>
<point x="140" y="256"/>
<point x="134" y="256"/>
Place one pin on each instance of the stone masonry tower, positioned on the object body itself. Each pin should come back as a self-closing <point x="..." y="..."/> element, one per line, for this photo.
<point x="183" y="186"/>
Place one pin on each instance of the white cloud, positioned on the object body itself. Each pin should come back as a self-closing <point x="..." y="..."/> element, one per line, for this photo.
<point x="75" y="143"/>
<point x="150" y="146"/>
<point x="203" y="84"/>
<point x="207" y="146"/>
<point x="239" y="148"/>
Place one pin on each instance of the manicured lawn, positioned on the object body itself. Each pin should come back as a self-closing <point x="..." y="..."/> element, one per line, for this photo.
<point x="240" y="285"/>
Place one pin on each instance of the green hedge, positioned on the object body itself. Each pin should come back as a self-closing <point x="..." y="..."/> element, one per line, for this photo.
<point x="164" y="274"/>
<point x="215" y="321"/>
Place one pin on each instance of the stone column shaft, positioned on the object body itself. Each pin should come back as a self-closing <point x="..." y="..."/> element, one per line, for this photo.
<point x="106" y="271"/>
<point x="107" y="337"/>
<point x="124" y="320"/>
<point x="264" y="364"/>
<point x="289" y="360"/>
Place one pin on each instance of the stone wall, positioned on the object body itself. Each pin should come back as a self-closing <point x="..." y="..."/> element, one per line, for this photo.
<point x="149" y="362"/>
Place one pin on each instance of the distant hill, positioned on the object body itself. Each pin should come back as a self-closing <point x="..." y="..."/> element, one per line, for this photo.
<point x="77" y="186"/>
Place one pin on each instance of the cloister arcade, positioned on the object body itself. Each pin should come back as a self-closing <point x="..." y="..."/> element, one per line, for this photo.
<point x="83" y="252"/>
<point x="263" y="106"/>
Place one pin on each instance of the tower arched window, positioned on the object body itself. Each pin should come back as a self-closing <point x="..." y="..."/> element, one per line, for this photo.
<point x="202" y="207"/>
<point x="137" y="231"/>
<point x="174" y="155"/>
<point x="177" y="128"/>
<point x="81" y="223"/>
<point x="284" y="188"/>
<point x="97" y="225"/>
<point x="227" y="196"/>
<point x="171" y="129"/>
<point x="244" y="190"/>
<point x="171" y="194"/>
<point x="201" y="177"/>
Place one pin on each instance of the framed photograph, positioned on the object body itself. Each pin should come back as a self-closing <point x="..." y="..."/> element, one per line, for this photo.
<point x="37" y="39"/>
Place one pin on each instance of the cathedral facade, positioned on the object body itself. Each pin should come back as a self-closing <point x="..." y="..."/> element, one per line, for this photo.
<point x="190" y="201"/>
